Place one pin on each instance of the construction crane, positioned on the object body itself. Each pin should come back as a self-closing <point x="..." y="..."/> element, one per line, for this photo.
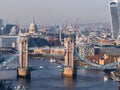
<point x="75" y="27"/>
<point x="65" y="27"/>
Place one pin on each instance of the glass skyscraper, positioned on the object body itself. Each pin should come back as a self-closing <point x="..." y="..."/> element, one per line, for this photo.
<point x="1" y="23"/>
<point x="115" y="18"/>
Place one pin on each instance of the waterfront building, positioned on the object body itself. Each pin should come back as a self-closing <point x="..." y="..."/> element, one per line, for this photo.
<point x="82" y="39"/>
<point x="13" y="31"/>
<point x="8" y="28"/>
<point x="111" y="53"/>
<point x="86" y="50"/>
<point x="115" y="18"/>
<point x="9" y="42"/>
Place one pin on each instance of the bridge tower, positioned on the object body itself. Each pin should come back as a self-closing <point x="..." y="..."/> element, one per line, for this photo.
<point x="23" y="70"/>
<point x="69" y="69"/>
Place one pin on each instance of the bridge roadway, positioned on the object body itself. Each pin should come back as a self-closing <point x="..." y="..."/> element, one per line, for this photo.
<point x="12" y="64"/>
<point x="60" y="67"/>
<point x="82" y="59"/>
<point x="57" y="68"/>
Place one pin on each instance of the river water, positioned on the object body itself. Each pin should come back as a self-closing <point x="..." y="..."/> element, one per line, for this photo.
<point x="51" y="79"/>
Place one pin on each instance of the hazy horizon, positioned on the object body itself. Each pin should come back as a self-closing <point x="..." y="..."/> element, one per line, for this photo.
<point x="54" y="11"/>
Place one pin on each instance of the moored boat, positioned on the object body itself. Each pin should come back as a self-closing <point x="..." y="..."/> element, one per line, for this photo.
<point x="52" y="60"/>
<point x="115" y="76"/>
<point x="105" y="78"/>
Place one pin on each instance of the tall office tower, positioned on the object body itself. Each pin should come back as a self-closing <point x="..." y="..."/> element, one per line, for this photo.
<point x="115" y="18"/>
<point x="1" y="23"/>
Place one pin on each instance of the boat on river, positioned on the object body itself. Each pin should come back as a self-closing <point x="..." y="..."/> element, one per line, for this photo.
<point x="115" y="75"/>
<point x="52" y="60"/>
<point x="105" y="78"/>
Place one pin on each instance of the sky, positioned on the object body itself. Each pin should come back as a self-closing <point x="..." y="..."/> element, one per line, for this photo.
<point x="54" y="11"/>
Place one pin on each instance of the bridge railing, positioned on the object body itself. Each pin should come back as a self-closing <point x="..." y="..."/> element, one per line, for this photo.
<point x="106" y="66"/>
<point x="85" y="60"/>
<point x="4" y="65"/>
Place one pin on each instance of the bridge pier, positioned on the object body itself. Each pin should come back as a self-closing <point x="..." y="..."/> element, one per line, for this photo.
<point x="25" y="73"/>
<point x="23" y="70"/>
<point x="69" y="72"/>
<point x="69" y="69"/>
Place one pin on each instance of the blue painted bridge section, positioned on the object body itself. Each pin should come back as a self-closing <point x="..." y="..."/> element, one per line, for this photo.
<point x="6" y="64"/>
<point x="93" y="65"/>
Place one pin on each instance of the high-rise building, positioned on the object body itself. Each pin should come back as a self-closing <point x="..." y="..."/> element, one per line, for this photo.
<point x="115" y="18"/>
<point x="1" y="23"/>
<point x="9" y="42"/>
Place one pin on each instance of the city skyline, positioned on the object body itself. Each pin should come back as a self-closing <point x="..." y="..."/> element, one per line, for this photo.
<point x="54" y="11"/>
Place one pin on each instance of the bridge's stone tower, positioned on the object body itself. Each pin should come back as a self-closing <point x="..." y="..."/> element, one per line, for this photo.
<point x="69" y="70"/>
<point x="23" y="70"/>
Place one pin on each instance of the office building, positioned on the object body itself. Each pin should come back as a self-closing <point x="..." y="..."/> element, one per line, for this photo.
<point x="9" y="42"/>
<point x="115" y="18"/>
<point x="1" y="23"/>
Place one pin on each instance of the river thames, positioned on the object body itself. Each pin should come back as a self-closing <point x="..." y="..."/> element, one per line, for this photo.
<point x="51" y="79"/>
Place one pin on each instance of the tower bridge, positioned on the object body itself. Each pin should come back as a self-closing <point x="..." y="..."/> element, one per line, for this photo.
<point x="68" y="52"/>
<point x="23" y="70"/>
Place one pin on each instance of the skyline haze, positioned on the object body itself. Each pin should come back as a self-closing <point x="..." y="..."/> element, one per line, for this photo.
<point x="54" y="11"/>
